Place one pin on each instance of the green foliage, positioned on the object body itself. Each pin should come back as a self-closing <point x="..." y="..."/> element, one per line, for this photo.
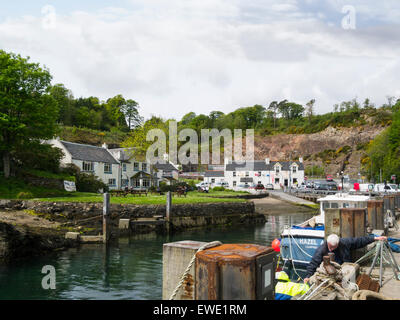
<point x="88" y="182"/>
<point x="218" y="189"/>
<point x="314" y="171"/>
<point x="384" y="152"/>
<point x="24" y="195"/>
<point x="37" y="156"/>
<point x="11" y="187"/>
<point x="116" y="112"/>
<point x="27" y="111"/>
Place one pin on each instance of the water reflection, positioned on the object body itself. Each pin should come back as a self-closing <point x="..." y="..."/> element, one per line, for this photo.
<point x="129" y="269"/>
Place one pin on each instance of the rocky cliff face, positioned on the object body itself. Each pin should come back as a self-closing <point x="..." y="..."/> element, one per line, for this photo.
<point x="334" y="148"/>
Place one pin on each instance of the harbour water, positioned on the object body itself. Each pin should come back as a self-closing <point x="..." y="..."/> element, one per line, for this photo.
<point x="128" y="269"/>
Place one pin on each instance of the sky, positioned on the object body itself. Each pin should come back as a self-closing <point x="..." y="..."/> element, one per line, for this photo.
<point x="180" y="56"/>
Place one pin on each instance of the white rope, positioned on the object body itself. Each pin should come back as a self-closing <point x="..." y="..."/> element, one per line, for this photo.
<point x="290" y="234"/>
<point x="203" y="247"/>
<point x="291" y="256"/>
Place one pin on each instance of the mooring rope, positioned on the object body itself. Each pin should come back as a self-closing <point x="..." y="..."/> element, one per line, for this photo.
<point x="203" y="247"/>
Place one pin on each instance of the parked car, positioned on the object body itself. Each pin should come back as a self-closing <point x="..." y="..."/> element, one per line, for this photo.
<point x="269" y="186"/>
<point x="259" y="187"/>
<point x="222" y="184"/>
<point x="329" y="177"/>
<point x="380" y="187"/>
<point x="243" y="186"/>
<point x="202" y="184"/>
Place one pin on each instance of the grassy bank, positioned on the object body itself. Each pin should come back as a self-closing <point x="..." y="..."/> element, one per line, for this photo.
<point x="11" y="188"/>
<point x="192" y="197"/>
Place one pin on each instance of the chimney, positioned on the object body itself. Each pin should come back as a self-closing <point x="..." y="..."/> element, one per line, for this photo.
<point x="104" y="145"/>
<point x="226" y="161"/>
<point x="266" y="160"/>
<point x="166" y="157"/>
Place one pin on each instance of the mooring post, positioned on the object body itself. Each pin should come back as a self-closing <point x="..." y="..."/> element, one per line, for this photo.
<point x="168" y="212"/>
<point x="106" y="213"/>
<point x="169" y="205"/>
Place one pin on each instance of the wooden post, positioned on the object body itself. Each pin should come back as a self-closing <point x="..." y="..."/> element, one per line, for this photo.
<point x="106" y="213"/>
<point x="169" y="205"/>
<point x="375" y="214"/>
<point x="168" y="212"/>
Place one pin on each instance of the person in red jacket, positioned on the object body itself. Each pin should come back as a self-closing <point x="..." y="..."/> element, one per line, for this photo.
<point x="341" y="247"/>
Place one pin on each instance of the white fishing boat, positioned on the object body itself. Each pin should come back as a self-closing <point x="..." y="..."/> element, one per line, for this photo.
<point x="299" y="242"/>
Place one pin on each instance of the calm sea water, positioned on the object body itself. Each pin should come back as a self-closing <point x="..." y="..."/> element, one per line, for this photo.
<point x="129" y="269"/>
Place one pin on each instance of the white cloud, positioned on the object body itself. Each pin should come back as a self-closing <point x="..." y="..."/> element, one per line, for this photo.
<point x="180" y="56"/>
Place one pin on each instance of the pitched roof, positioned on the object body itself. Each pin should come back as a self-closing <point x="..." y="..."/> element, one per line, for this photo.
<point x="165" y="166"/>
<point x="214" y="173"/>
<point x="260" y="165"/>
<point x="87" y="152"/>
<point x="122" y="154"/>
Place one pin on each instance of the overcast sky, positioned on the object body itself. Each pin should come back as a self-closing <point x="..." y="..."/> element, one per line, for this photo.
<point x="177" y="56"/>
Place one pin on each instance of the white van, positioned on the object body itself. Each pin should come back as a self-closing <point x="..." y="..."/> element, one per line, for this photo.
<point x="222" y="184"/>
<point x="382" y="188"/>
<point x="202" y="184"/>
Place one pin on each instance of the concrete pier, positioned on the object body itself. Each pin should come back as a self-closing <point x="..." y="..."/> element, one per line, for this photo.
<point x="176" y="258"/>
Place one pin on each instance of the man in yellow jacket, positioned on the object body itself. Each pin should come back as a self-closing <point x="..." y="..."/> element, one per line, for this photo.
<point x="285" y="290"/>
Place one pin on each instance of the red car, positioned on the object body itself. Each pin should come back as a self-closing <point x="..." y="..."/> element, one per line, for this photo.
<point x="329" y="177"/>
<point x="259" y="187"/>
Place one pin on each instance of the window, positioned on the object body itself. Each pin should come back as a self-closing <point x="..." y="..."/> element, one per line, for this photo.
<point x="234" y="173"/>
<point x="334" y="205"/>
<point x="144" y="166"/>
<point x="111" y="182"/>
<point x="294" y="169"/>
<point x="87" y="166"/>
<point x="136" y="166"/>
<point x="276" y="180"/>
<point x="212" y="180"/>
<point x="146" y="183"/>
<point x="247" y="173"/>
<point x="124" y="182"/>
<point x="137" y="183"/>
<point x="259" y="173"/>
<point x="259" y="182"/>
<point x="107" y="168"/>
<point x="277" y="169"/>
<point x="234" y="183"/>
<point x="124" y="167"/>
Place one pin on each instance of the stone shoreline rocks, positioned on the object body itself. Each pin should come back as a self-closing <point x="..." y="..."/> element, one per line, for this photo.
<point x="18" y="241"/>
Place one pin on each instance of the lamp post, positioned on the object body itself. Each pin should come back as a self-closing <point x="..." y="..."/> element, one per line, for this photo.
<point x="290" y="171"/>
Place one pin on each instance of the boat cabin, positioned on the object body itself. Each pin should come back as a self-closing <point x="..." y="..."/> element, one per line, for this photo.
<point x="339" y="201"/>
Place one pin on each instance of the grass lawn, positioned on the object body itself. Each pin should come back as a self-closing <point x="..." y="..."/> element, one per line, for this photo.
<point x="10" y="188"/>
<point x="192" y="197"/>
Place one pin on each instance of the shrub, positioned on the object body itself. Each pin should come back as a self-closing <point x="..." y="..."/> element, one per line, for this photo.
<point x="218" y="189"/>
<point x="24" y="195"/>
<point x="39" y="156"/>
<point x="88" y="182"/>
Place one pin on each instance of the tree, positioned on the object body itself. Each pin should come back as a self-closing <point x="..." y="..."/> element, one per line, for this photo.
<point x="273" y="107"/>
<point x="310" y="109"/>
<point x="65" y="103"/>
<point x="130" y="109"/>
<point x="27" y="111"/>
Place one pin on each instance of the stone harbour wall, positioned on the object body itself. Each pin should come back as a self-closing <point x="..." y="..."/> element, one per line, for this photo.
<point x="183" y="216"/>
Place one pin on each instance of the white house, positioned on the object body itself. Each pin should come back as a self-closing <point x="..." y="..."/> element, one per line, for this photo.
<point x="133" y="173"/>
<point x="279" y="173"/>
<point x="213" y="177"/>
<point x="91" y="159"/>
